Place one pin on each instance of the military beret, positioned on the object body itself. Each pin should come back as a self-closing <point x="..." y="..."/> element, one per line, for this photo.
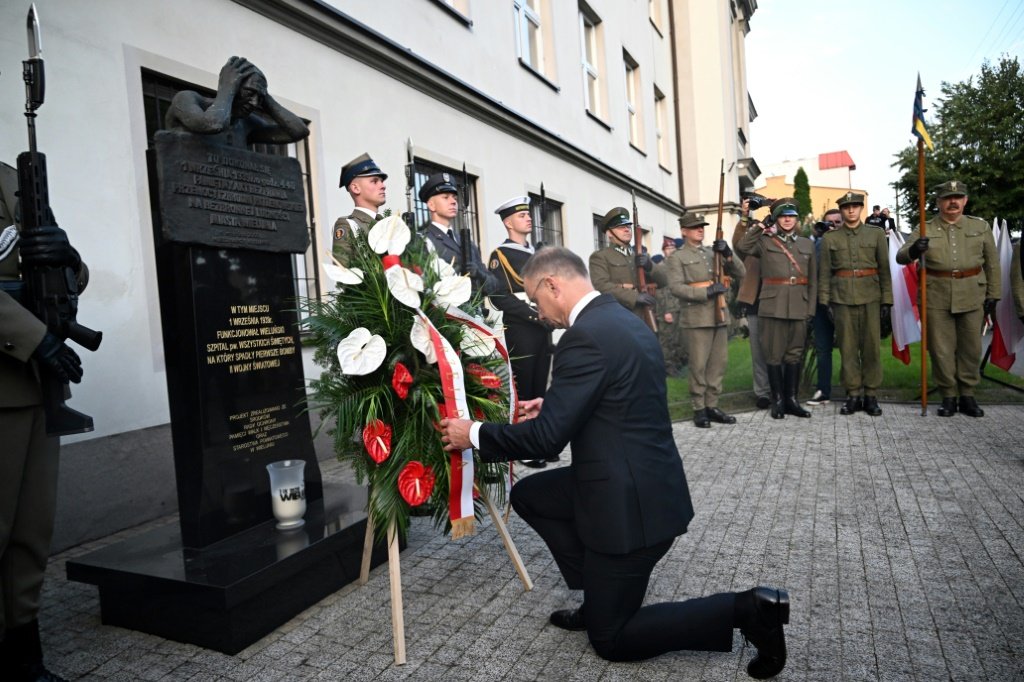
<point x="617" y="217"/>
<point x="784" y="206"/>
<point x="689" y="220"/>
<point x="951" y="188"/>
<point x="668" y="241"/>
<point x="513" y="205"/>
<point x="850" y="198"/>
<point x="360" y="167"/>
<point x="438" y="183"/>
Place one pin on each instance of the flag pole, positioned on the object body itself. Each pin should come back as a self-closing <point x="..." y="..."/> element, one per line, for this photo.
<point x="923" y="277"/>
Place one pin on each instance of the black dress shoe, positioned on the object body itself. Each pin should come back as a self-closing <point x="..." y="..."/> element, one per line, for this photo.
<point x="716" y="415"/>
<point x="700" y="419"/>
<point x="569" y="619"/>
<point x="764" y="402"/>
<point x="969" y="406"/>
<point x="871" y="406"/>
<point x="853" y="404"/>
<point x="533" y="463"/>
<point x="948" y="407"/>
<point x="764" y="630"/>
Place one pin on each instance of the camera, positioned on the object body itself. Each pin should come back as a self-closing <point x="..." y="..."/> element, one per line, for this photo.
<point x="757" y="201"/>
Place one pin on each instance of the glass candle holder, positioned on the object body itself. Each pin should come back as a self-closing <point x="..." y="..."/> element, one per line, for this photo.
<point x="288" y="492"/>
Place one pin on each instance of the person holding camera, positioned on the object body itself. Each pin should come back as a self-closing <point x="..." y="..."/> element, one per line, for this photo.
<point x="854" y="285"/>
<point x="786" y="302"/>
<point x="691" y="279"/>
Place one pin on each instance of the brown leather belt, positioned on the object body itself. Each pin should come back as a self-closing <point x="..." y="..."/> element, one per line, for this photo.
<point x="857" y="272"/>
<point x="953" y="274"/>
<point x="727" y="281"/>
<point x="785" y="280"/>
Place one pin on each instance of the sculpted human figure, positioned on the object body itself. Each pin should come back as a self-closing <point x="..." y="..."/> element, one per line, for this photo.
<point x="243" y="110"/>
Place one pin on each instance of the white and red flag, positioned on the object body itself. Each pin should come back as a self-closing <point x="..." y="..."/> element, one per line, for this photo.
<point x="906" y="321"/>
<point x="1007" y="330"/>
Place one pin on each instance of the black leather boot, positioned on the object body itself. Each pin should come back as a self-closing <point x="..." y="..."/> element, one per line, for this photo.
<point x="948" y="407"/>
<point x="700" y="419"/>
<point x="969" y="406"/>
<point x="23" y="655"/>
<point x="853" y="404"/>
<point x="871" y="406"/>
<point x="792" y="405"/>
<point x="777" y="384"/>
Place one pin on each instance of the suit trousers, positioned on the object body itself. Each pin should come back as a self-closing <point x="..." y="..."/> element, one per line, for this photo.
<point x="28" y="502"/>
<point x="759" y="366"/>
<point x="708" y="352"/>
<point x="954" y="344"/>
<point x="859" y="337"/>
<point x="824" y="335"/>
<point x="619" y="627"/>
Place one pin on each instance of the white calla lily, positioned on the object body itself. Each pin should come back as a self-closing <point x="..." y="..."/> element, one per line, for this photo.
<point x="361" y="352"/>
<point x="404" y="285"/>
<point x="342" y="275"/>
<point x="453" y="290"/>
<point x="389" y="235"/>
<point x="419" y="335"/>
<point x="476" y="343"/>
<point x="442" y="268"/>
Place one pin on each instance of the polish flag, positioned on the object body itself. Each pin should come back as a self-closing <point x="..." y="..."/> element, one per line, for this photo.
<point x="1007" y="330"/>
<point x="906" y="320"/>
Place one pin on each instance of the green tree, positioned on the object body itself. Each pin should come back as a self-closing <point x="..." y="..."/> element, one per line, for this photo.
<point x="978" y="132"/>
<point x="802" y="193"/>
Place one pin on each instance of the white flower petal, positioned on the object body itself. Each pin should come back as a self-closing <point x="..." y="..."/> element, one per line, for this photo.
<point x="419" y="335"/>
<point x="343" y="275"/>
<point x="389" y="235"/>
<point x="361" y="352"/>
<point x="453" y="290"/>
<point x="476" y="344"/>
<point x="442" y="268"/>
<point x="404" y="285"/>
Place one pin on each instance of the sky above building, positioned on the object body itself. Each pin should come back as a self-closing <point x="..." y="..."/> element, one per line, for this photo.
<point x="828" y="76"/>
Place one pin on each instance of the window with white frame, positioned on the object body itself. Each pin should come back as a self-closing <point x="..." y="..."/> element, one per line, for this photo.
<point x="529" y="38"/>
<point x="633" y="107"/>
<point x="592" y="58"/>
<point x="656" y="13"/>
<point x="661" y="131"/>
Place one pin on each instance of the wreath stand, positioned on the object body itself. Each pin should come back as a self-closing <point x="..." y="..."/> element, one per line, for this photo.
<point x="395" y="571"/>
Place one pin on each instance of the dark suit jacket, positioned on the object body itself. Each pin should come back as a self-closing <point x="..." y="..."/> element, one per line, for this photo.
<point x="450" y="252"/>
<point x="607" y="397"/>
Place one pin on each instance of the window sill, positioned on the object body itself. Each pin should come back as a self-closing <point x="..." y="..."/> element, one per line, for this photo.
<point x="637" y="149"/>
<point x="455" y="14"/>
<point x="539" y="75"/>
<point x="664" y="168"/>
<point x="657" y="28"/>
<point x="599" y="120"/>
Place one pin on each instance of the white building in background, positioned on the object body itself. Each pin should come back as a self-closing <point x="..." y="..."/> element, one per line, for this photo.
<point x="591" y="98"/>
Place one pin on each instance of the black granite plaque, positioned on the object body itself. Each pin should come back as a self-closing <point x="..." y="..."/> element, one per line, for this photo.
<point x="223" y="196"/>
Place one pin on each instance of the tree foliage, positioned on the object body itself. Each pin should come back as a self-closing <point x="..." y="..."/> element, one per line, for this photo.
<point x="802" y="193"/>
<point x="978" y="133"/>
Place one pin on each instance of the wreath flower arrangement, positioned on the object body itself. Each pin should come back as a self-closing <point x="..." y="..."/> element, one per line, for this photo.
<point x="401" y="345"/>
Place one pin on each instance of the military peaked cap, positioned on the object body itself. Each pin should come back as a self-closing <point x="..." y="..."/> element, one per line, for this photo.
<point x="951" y="188"/>
<point x="512" y="206"/>
<point x="850" y="198"/>
<point x="617" y="217"/>
<point x="691" y="220"/>
<point x="784" y="206"/>
<point x="360" y="167"/>
<point x="438" y="183"/>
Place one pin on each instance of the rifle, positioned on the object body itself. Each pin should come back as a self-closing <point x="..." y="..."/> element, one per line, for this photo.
<point x="50" y="292"/>
<point x="410" y="186"/>
<point x="641" y="276"/>
<point x="464" y="232"/>
<point x="719" y="262"/>
<point x="539" y="227"/>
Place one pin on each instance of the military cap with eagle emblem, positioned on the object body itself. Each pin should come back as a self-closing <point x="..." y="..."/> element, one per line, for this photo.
<point x="360" y="167"/>
<point x="850" y="198"/>
<point x="952" y="188"/>
<point x="438" y="183"/>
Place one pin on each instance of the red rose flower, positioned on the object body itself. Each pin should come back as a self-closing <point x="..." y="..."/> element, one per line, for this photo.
<point x="377" y="439"/>
<point x="401" y="380"/>
<point x="415" y="483"/>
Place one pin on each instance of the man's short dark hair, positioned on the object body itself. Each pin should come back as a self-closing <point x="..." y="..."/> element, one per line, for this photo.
<point x="831" y="211"/>
<point x="554" y="260"/>
<point x="876" y="207"/>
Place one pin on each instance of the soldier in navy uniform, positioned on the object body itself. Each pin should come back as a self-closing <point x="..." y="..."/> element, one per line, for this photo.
<point x="364" y="182"/>
<point x="442" y="200"/>
<point x="528" y="337"/>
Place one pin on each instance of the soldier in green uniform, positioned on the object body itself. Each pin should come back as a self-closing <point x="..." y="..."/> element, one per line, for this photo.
<point x="364" y="182"/>
<point x="1017" y="282"/>
<point x="613" y="269"/>
<point x="691" y="279"/>
<point x="962" y="267"/>
<point x="28" y="466"/>
<point x="854" y="283"/>
<point x="786" y="303"/>
<point x="668" y="311"/>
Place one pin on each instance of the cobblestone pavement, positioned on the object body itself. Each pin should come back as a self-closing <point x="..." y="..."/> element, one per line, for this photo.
<point x="899" y="538"/>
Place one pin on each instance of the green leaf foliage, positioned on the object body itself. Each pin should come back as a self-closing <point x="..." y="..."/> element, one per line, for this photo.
<point x="802" y="193"/>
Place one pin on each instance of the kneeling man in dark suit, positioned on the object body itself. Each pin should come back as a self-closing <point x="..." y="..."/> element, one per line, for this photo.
<point x="611" y="515"/>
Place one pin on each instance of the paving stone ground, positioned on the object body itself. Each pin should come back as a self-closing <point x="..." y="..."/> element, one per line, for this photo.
<point x="899" y="538"/>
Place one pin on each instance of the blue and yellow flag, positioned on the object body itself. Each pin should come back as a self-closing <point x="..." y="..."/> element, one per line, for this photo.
<point x="919" y="128"/>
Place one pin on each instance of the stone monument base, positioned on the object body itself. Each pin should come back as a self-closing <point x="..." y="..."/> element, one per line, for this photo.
<point x="230" y="594"/>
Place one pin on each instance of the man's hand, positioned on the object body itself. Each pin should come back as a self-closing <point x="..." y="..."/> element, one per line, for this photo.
<point x="53" y="355"/>
<point x="716" y="288"/>
<point x="528" y="409"/>
<point x="644" y="298"/>
<point x="990" y="306"/>
<point x="721" y="246"/>
<point x="236" y="70"/>
<point x="669" y="318"/>
<point x="885" y="310"/>
<point x="455" y="434"/>
<point x="642" y="260"/>
<point x="48" y="245"/>
<point x="831" y="314"/>
<point x="918" y="247"/>
<point x="745" y="207"/>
